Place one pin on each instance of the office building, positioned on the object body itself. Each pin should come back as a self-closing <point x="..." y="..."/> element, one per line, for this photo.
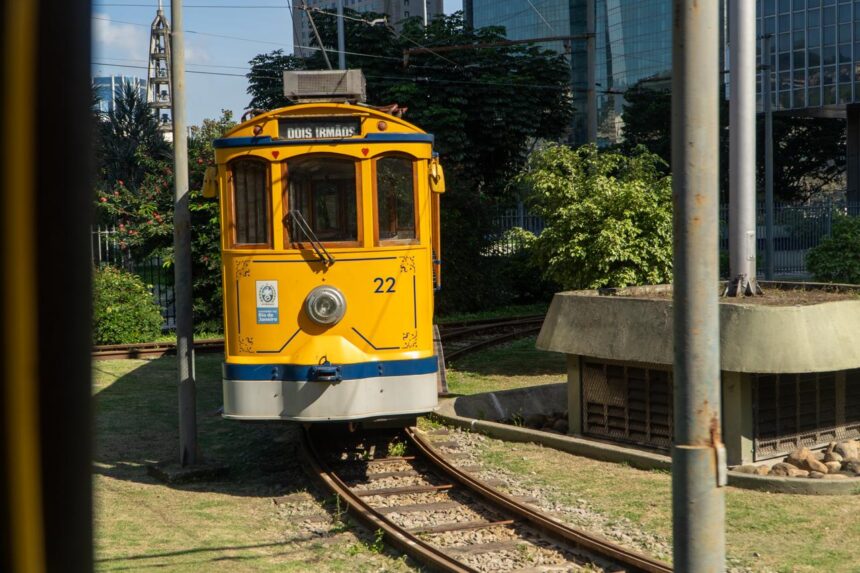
<point x="108" y="87"/>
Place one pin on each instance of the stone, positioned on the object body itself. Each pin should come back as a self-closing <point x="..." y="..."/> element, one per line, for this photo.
<point x="819" y="456"/>
<point x="762" y="471"/>
<point x="830" y="447"/>
<point x="816" y="475"/>
<point x="535" y="420"/>
<point x="783" y="469"/>
<point x="560" y="425"/>
<point x="833" y="467"/>
<point x="832" y="457"/>
<point x="814" y="465"/>
<point x="851" y="466"/>
<point x="798" y="457"/>
<point x="849" y="449"/>
<point x="798" y="473"/>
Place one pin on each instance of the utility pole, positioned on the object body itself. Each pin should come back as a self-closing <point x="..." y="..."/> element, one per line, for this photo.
<point x="742" y="155"/>
<point x="341" y="38"/>
<point x="158" y="88"/>
<point x="591" y="74"/>
<point x="182" y="250"/>
<point x="698" y="455"/>
<point x="768" y="153"/>
<point x="424" y="5"/>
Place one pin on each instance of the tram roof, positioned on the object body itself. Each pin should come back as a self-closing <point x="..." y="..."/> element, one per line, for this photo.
<point x="322" y="110"/>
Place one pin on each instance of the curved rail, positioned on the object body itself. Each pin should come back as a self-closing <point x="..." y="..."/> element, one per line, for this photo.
<point x="633" y="560"/>
<point x="578" y="541"/>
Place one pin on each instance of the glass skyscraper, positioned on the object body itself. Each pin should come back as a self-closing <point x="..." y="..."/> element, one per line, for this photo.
<point x="814" y="51"/>
<point x="108" y="87"/>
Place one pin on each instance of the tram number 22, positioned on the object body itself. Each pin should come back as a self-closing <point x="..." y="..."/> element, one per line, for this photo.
<point x="381" y="285"/>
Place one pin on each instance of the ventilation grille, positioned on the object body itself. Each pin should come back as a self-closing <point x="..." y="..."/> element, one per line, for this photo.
<point x="795" y="410"/>
<point x="628" y="403"/>
<point x="329" y="85"/>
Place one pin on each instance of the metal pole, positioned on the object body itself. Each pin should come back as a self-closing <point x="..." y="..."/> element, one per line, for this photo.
<point x="182" y="249"/>
<point x="698" y="456"/>
<point x="313" y="24"/>
<point x="591" y="64"/>
<point x="424" y="5"/>
<point x="742" y="155"/>
<point x="341" y="38"/>
<point x="768" y="153"/>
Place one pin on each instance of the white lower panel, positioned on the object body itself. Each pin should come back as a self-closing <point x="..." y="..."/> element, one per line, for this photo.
<point x="320" y="401"/>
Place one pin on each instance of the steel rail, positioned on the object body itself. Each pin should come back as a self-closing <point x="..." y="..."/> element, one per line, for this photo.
<point x="459" y="332"/>
<point x="397" y="536"/>
<point x="489" y="342"/>
<point x="634" y="560"/>
<point x="156" y="349"/>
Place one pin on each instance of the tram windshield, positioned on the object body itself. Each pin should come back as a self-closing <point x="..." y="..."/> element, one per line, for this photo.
<point x="324" y="190"/>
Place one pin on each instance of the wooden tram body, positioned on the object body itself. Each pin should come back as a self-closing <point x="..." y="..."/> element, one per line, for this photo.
<point x="330" y="246"/>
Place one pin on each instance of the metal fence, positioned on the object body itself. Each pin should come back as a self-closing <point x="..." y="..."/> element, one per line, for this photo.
<point x="105" y="251"/>
<point x="797" y="229"/>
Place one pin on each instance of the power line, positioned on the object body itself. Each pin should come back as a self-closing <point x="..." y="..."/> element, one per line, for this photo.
<point x="207" y="6"/>
<point x="373" y="23"/>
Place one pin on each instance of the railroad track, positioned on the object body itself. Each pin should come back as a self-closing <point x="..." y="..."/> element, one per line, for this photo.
<point x="462" y="337"/>
<point x="152" y="349"/>
<point x="398" y="483"/>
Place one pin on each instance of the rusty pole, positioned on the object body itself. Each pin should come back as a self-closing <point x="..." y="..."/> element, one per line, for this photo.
<point x="698" y="458"/>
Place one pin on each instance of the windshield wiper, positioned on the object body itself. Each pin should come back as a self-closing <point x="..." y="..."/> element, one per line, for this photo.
<point x="302" y="225"/>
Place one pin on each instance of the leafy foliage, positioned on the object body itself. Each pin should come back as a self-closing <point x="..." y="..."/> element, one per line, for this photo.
<point x="123" y="308"/>
<point x="837" y="258"/>
<point x="608" y="216"/>
<point x="143" y="214"/>
<point x="486" y="107"/>
<point x="266" y="80"/>
<point x="130" y="132"/>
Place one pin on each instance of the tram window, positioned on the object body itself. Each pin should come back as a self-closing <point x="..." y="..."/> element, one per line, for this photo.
<point x="395" y="198"/>
<point x="250" y="202"/>
<point x="323" y="190"/>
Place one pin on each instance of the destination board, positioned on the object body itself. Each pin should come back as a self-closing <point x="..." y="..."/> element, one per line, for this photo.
<point x="319" y="128"/>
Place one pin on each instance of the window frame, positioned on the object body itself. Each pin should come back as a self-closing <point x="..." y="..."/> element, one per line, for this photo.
<point x="231" y="198"/>
<point x="289" y="244"/>
<point x="373" y="173"/>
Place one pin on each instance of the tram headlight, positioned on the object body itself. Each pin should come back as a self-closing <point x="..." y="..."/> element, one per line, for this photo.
<point x="325" y="305"/>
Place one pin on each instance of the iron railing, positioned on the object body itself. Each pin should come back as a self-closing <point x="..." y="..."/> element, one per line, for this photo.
<point x="105" y="250"/>
<point x="797" y="229"/>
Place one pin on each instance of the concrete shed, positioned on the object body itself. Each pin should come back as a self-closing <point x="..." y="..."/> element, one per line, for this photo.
<point x="790" y="366"/>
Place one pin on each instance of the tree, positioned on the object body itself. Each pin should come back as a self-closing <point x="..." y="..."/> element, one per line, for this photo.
<point x="130" y="132"/>
<point x="144" y="217"/>
<point x="485" y="106"/>
<point x="809" y="153"/>
<point x="266" y="79"/>
<point x="608" y="216"/>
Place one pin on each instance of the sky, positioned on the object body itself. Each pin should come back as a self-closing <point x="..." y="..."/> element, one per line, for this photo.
<point x="215" y="64"/>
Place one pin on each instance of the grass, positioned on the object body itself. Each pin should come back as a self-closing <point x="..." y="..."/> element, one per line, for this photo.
<point x="765" y="532"/>
<point x="516" y="364"/>
<point x="501" y="312"/>
<point x="235" y="524"/>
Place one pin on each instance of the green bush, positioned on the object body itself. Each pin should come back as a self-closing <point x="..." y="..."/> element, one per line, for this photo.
<point x="123" y="309"/>
<point x="837" y="258"/>
<point x="607" y="216"/>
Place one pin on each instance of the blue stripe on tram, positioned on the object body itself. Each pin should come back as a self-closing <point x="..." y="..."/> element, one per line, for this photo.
<point x="301" y="372"/>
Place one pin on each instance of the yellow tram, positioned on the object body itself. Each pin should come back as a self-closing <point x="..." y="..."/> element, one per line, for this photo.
<point x="330" y="258"/>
